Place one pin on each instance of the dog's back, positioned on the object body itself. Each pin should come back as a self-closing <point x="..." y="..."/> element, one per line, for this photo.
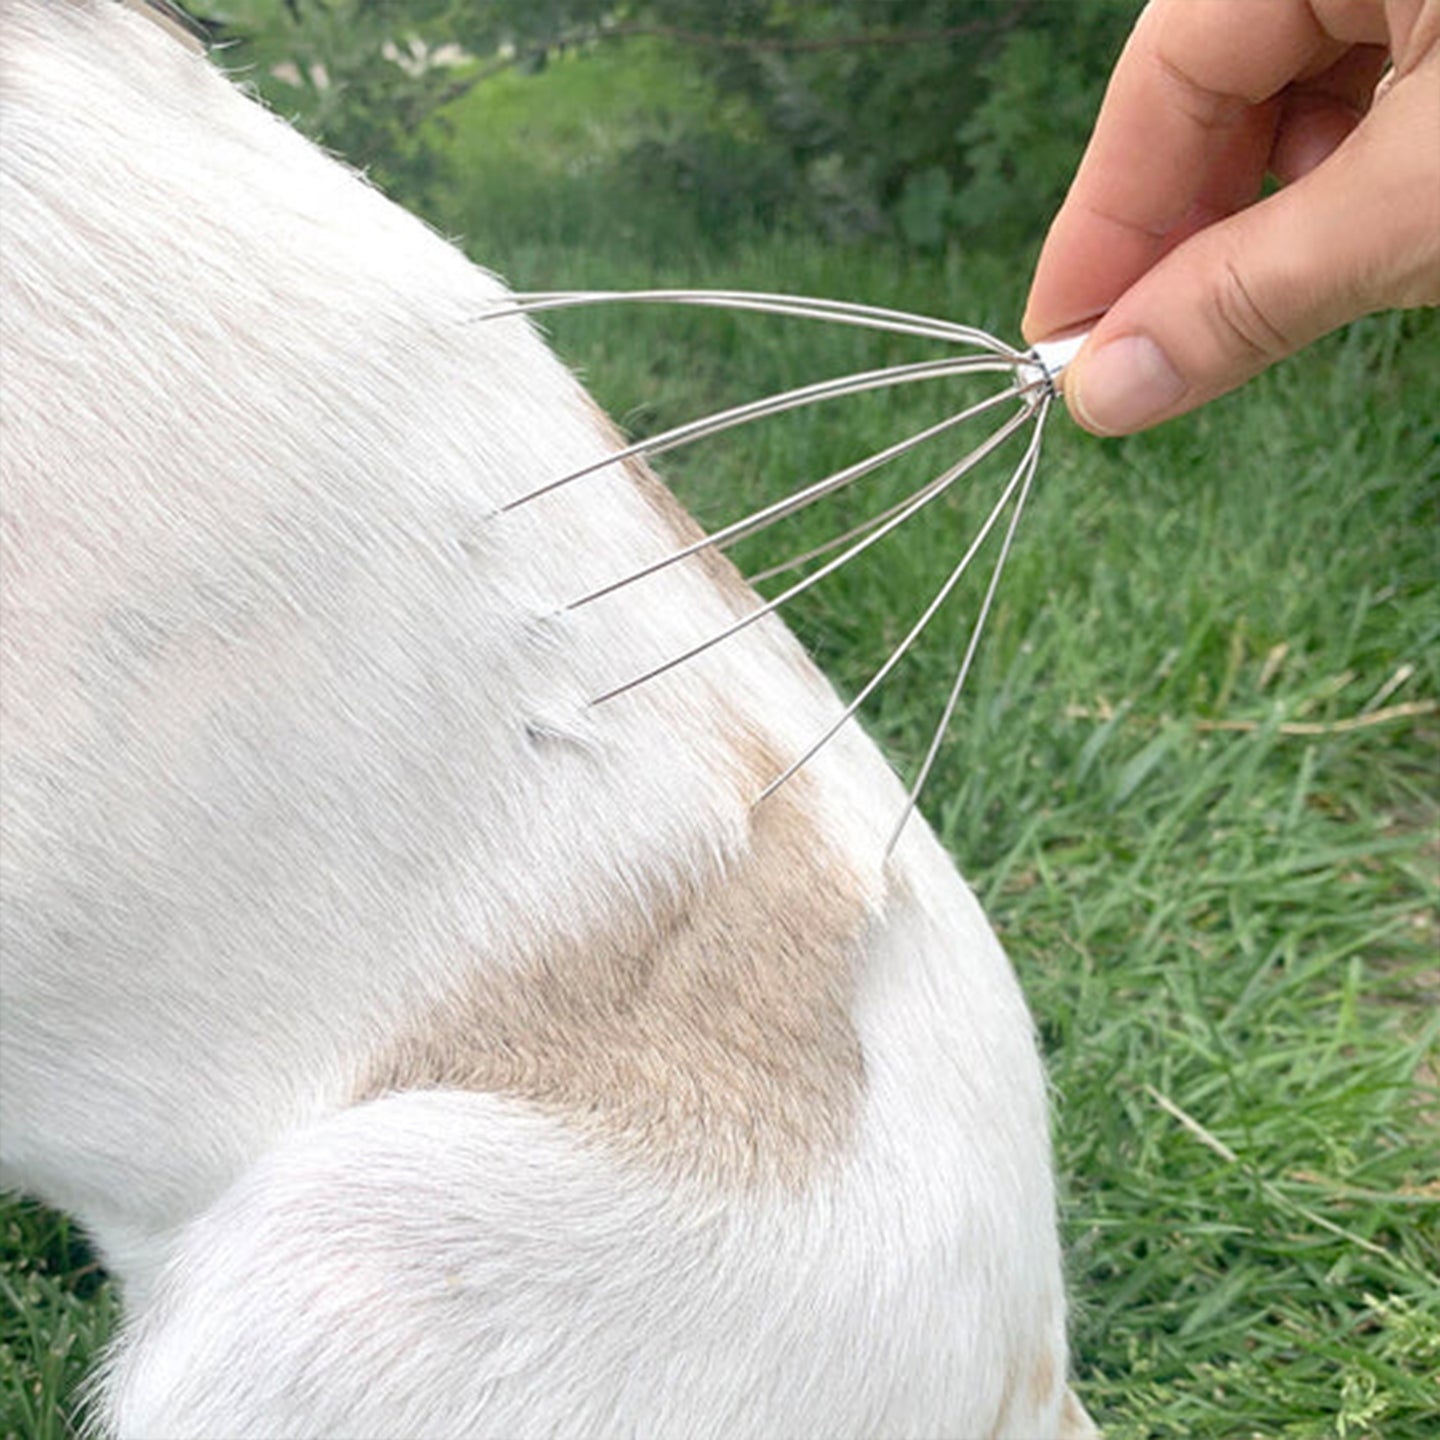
<point x="430" y="1052"/>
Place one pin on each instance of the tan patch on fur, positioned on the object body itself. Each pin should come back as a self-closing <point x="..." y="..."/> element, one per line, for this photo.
<point x="707" y="1034"/>
<point x="1001" y="1426"/>
<point x="1075" y="1422"/>
<point x="1032" y="1391"/>
<point x="1042" y="1381"/>
<point x="677" y="520"/>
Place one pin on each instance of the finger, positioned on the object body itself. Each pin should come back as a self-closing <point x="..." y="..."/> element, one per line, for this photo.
<point x="1236" y="176"/>
<point x="1184" y="83"/>
<point x="1257" y="286"/>
<point x="1317" y="114"/>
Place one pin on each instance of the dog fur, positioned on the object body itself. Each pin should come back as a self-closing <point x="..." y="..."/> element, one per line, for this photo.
<point x="427" y="1052"/>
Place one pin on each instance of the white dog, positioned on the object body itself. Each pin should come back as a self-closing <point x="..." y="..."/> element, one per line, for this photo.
<point x="428" y="1052"/>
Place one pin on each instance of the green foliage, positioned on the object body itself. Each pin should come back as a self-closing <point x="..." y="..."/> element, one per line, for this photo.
<point x="355" y="75"/>
<point x="950" y="117"/>
<point x="56" y="1312"/>
<point x="1024" y="138"/>
<point x="922" y="120"/>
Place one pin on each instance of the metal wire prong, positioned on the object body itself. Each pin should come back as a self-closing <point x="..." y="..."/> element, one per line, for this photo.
<point x="922" y="498"/>
<point x="834" y="543"/>
<point x="838" y="388"/>
<point x="1028" y="465"/>
<point x="779" y="509"/>
<point x="928" y="614"/>
<point x="805" y="307"/>
<point x="1035" y="375"/>
<point x="871" y="521"/>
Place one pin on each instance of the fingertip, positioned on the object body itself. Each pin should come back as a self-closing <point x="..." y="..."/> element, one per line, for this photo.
<point x="1123" y="385"/>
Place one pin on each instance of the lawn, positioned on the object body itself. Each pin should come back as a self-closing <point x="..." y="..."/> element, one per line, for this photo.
<point x="1192" y="779"/>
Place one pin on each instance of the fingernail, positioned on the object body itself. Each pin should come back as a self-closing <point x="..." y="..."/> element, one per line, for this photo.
<point x="1123" y="386"/>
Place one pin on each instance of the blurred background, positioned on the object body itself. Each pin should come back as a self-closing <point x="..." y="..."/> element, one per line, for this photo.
<point x="1193" y="777"/>
<point x="922" y="123"/>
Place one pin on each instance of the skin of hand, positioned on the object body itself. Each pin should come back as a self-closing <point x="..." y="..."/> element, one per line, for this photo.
<point x="1191" y="282"/>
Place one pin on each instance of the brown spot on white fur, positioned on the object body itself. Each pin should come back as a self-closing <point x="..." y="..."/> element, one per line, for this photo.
<point x="1075" y="1422"/>
<point x="1030" y="1389"/>
<point x="707" y="1033"/>
<point x="1042" y="1381"/>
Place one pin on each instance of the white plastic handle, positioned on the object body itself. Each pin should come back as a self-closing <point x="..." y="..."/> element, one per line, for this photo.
<point x="1055" y="355"/>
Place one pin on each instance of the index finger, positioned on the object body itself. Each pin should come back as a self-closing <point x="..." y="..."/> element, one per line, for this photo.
<point x="1183" y="137"/>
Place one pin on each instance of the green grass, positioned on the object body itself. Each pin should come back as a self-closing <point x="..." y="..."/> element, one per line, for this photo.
<point x="56" y="1312"/>
<point x="1228" y="935"/>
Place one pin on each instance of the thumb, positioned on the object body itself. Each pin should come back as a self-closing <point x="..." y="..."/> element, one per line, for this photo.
<point x="1360" y="232"/>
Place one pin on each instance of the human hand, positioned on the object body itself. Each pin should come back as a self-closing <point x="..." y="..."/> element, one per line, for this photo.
<point x="1201" y="284"/>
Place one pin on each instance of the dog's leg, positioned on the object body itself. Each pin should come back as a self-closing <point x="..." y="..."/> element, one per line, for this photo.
<point x="423" y="1265"/>
<point x="441" y="1264"/>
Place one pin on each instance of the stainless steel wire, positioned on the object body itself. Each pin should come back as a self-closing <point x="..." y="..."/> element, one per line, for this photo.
<point x="1032" y="390"/>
